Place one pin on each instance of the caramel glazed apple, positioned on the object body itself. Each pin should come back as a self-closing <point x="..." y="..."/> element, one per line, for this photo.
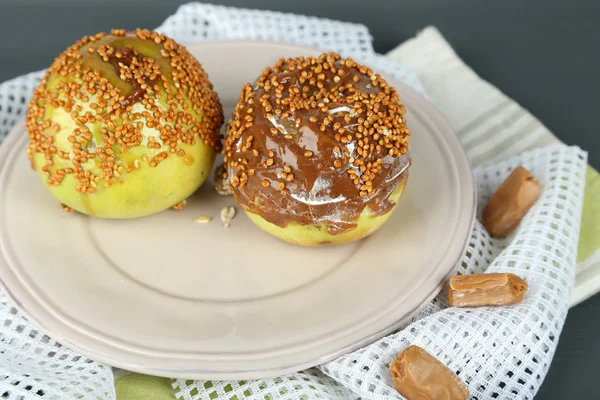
<point x="124" y="125"/>
<point x="316" y="151"/>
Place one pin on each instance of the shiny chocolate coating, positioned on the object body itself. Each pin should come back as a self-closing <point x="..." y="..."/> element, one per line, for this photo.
<point x="317" y="140"/>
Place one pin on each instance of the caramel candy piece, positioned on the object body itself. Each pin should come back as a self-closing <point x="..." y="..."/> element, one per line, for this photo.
<point x="420" y="376"/>
<point x="509" y="204"/>
<point x="485" y="290"/>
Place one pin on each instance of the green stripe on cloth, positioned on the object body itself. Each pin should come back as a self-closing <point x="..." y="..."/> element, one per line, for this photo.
<point x="144" y="387"/>
<point x="589" y="240"/>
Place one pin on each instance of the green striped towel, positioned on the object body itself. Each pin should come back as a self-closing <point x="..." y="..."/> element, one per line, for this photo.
<point x="493" y="127"/>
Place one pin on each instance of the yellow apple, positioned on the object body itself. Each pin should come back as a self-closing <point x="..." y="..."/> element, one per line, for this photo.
<point x="124" y="125"/>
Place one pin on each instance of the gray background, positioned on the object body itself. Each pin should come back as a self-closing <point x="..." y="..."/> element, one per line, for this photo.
<point x="543" y="53"/>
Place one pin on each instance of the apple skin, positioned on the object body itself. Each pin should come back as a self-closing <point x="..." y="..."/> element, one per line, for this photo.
<point x="317" y="235"/>
<point x="140" y="189"/>
<point x="143" y="191"/>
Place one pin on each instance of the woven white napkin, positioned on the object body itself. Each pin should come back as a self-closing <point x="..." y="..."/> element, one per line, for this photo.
<point x="500" y="352"/>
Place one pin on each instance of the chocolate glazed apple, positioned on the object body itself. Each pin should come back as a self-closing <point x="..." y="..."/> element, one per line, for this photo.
<point x="317" y="150"/>
<point x="124" y="125"/>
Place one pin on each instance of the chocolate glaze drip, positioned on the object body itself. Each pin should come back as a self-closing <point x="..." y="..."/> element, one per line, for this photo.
<point x="310" y="161"/>
<point x="137" y="92"/>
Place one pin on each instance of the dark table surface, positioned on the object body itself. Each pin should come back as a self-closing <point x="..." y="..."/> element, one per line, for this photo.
<point x="542" y="53"/>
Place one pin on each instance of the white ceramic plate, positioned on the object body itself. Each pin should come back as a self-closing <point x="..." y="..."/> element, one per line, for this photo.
<point x="166" y="296"/>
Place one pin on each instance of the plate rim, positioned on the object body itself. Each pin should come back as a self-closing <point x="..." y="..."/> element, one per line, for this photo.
<point x="97" y="354"/>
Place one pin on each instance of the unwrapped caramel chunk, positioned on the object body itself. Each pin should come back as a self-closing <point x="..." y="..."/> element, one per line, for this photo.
<point x="418" y="375"/>
<point x="509" y="204"/>
<point x="485" y="290"/>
